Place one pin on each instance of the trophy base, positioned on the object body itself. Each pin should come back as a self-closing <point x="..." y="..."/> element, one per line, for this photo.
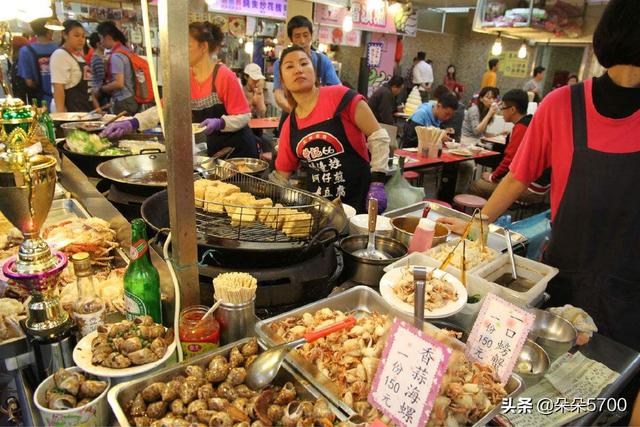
<point x="34" y="256"/>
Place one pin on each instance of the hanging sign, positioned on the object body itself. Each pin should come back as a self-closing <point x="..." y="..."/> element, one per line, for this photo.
<point x="408" y="377"/>
<point x="379" y="19"/>
<point x="374" y="54"/>
<point x="335" y="35"/>
<point x="498" y="335"/>
<point x="274" y="9"/>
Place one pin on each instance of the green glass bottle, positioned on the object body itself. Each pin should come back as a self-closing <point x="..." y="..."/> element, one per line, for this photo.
<point x="47" y="123"/>
<point x="141" y="280"/>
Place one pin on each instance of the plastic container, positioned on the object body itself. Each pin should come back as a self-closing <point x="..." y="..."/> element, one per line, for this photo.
<point x="358" y="224"/>
<point x="537" y="273"/>
<point x="196" y="336"/>
<point x="422" y="238"/>
<point x="94" y="413"/>
<point x="454" y="270"/>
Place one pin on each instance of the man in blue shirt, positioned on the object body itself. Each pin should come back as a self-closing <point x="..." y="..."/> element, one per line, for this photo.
<point x="429" y="114"/>
<point x="300" y="32"/>
<point x="33" y="62"/>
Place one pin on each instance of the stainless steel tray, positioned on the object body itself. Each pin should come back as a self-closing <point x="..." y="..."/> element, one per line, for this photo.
<point x="361" y="300"/>
<point x="123" y="393"/>
<point x="495" y="240"/>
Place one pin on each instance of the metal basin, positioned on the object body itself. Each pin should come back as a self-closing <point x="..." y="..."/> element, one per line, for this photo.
<point x="248" y="165"/>
<point x="90" y="127"/>
<point x="369" y="271"/>
<point x="404" y="227"/>
<point x="533" y="356"/>
<point x="553" y="333"/>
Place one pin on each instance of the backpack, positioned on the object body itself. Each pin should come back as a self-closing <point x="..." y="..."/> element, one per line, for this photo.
<point x="42" y="67"/>
<point x="143" y="89"/>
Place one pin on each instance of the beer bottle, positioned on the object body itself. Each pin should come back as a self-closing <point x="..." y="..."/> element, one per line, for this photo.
<point x="141" y="280"/>
<point x="47" y="123"/>
<point x="89" y="310"/>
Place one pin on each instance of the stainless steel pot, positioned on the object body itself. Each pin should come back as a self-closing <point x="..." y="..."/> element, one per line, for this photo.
<point x="404" y="227"/>
<point x="369" y="271"/>
<point x="250" y="166"/>
<point x="89" y="126"/>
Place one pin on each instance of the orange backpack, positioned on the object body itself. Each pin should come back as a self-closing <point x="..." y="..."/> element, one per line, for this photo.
<point x="141" y="76"/>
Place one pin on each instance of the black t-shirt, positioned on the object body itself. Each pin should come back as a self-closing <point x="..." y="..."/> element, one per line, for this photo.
<point x="613" y="101"/>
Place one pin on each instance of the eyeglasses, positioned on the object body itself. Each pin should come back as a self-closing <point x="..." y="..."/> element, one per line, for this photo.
<point x="505" y="107"/>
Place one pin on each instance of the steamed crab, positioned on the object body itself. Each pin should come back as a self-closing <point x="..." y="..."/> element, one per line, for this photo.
<point x="93" y="235"/>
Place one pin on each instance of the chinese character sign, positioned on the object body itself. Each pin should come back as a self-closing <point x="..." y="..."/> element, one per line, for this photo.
<point x="498" y="335"/>
<point x="409" y="375"/>
<point x="275" y="9"/>
<point x="377" y="19"/>
<point x="374" y="54"/>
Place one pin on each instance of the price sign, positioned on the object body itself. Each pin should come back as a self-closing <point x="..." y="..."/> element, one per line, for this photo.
<point x="498" y="335"/>
<point x="409" y="375"/>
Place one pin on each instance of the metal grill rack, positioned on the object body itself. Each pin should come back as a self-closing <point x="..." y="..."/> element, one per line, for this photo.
<point x="213" y="219"/>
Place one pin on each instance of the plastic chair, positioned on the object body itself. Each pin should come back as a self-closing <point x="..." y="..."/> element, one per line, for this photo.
<point x="439" y="202"/>
<point x="468" y="202"/>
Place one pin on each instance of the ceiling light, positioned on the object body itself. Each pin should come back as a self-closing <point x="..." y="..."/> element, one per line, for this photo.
<point x="496" y="49"/>
<point x="347" y="23"/>
<point x="248" y="48"/>
<point x="395" y="8"/>
<point x="522" y="52"/>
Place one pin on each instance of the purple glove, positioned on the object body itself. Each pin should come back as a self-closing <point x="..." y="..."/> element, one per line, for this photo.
<point x="120" y="128"/>
<point x="212" y="125"/>
<point x="376" y="191"/>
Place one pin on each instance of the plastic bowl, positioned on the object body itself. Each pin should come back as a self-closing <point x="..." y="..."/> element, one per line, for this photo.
<point x="94" y="413"/>
<point x="358" y="224"/>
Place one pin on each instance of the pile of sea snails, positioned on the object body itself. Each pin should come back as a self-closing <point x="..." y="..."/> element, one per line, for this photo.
<point x="72" y="390"/>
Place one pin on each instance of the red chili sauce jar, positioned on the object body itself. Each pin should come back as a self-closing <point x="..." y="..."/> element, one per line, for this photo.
<point x="198" y="337"/>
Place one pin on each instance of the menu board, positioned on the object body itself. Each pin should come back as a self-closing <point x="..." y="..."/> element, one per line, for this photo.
<point x="378" y="19"/>
<point x="409" y="375"/>
<point x="274" y="9"/>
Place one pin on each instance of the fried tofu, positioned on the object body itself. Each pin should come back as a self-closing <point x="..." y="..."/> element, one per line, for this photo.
<point x="214" y="196"/>
<point x="232" y="201"/>
<point x="242" y="216"/>
<point x="262" y="203"/>
<point x="297" y="225"/>
<point x="200" y="187"/>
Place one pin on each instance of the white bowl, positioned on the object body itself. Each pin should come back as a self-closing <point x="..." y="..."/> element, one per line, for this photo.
<point x="349" y="210"/>
<point x="94" y="413"/>
<point x="359" y="224"/>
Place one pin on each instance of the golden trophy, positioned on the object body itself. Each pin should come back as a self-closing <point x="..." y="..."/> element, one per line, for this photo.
<point x="27" y="184"/>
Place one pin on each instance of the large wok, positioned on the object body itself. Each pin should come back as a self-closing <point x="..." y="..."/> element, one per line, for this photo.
<point x="142" y="174"/>
<point x="88" y="163"/>
<point x="230" y="252"/>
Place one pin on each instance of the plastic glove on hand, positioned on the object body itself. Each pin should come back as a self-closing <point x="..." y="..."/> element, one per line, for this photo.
<point x="212" y="125"/>
<point x="376" y="191"/>
<point x="120" y="128"/>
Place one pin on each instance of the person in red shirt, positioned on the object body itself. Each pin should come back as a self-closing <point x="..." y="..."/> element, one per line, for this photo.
<point x="514" y="110"/>
<point x="331" y="130"/>
<point x="217" y="99"/>
<point x="589" y="134"/>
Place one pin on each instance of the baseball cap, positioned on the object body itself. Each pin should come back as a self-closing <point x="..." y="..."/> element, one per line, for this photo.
<point x="253" y="71"/>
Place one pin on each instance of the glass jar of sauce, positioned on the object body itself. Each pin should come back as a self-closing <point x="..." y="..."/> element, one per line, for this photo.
<point x="196" y="336"/>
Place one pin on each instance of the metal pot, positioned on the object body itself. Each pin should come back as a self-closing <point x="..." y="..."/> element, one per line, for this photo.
<point x="404" y="227"/>
<point x="369" y="271"/>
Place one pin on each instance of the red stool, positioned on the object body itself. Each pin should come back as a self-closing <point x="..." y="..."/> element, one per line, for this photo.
<point x="464" y="202"/>
<point x="413" y="177"/>
<point x="438" y="202"/>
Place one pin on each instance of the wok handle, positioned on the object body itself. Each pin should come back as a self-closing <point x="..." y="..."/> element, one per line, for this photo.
<point x="324" y="242"/>
<point x="348" y="323"/>
<point x="150" y="151"/>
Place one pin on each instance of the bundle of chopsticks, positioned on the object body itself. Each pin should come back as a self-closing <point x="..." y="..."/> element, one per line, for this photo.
<point x="429" y="138"/>
<point x="235" y="288"/>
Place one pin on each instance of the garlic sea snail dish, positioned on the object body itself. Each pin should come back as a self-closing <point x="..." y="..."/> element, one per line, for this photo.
<point x="72" y="390"/>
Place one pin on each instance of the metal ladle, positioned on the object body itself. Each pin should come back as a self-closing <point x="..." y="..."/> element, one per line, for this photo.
<point x="370" y="252"/>
<point x="266" y="366"/>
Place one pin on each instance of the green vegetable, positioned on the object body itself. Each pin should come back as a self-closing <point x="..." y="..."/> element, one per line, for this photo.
<point x="114" y="151"/>
<point x="83" y="142"/>
<point x="472" y="299"/>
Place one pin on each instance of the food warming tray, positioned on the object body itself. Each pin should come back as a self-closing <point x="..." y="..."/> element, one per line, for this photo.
<point x="359" y="300"/>
<point x="123" y="393"/>
<point x="495" y="240"/>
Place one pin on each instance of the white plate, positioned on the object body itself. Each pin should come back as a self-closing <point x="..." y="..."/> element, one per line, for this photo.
<point x="392" y="277"/>
<point x="82" y="357"/>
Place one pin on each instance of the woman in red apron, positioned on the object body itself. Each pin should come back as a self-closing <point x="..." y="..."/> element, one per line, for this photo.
<point x="589" y="134"/>
<point x="335" y="135"/>
<point x="70" y="74"/>
<point x="217" y="99"/>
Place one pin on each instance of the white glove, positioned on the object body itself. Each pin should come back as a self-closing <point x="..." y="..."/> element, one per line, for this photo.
<point x="378" y="145"/>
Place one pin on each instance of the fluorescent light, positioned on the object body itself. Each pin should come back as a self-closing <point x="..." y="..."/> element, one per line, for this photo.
<point x="522" y="52"/>
<point x="451" y="9"/>
<point x="496" y="49"/>
<point x="347" y="23"/>
<point x="395" y="8"/>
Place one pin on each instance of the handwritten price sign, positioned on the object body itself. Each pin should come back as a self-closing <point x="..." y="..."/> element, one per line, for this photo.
<point x="498" y="335"/>
<point x="409" y="375"/>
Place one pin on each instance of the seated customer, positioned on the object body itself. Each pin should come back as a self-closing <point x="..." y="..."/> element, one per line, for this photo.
<point x="383" y="100"/>
<point x="429" y="114"/>
<point x="478" y="117"/>
<point x="514" y="110"/>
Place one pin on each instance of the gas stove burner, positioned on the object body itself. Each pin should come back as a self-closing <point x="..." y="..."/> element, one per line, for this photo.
<point x="281" y="289"/>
